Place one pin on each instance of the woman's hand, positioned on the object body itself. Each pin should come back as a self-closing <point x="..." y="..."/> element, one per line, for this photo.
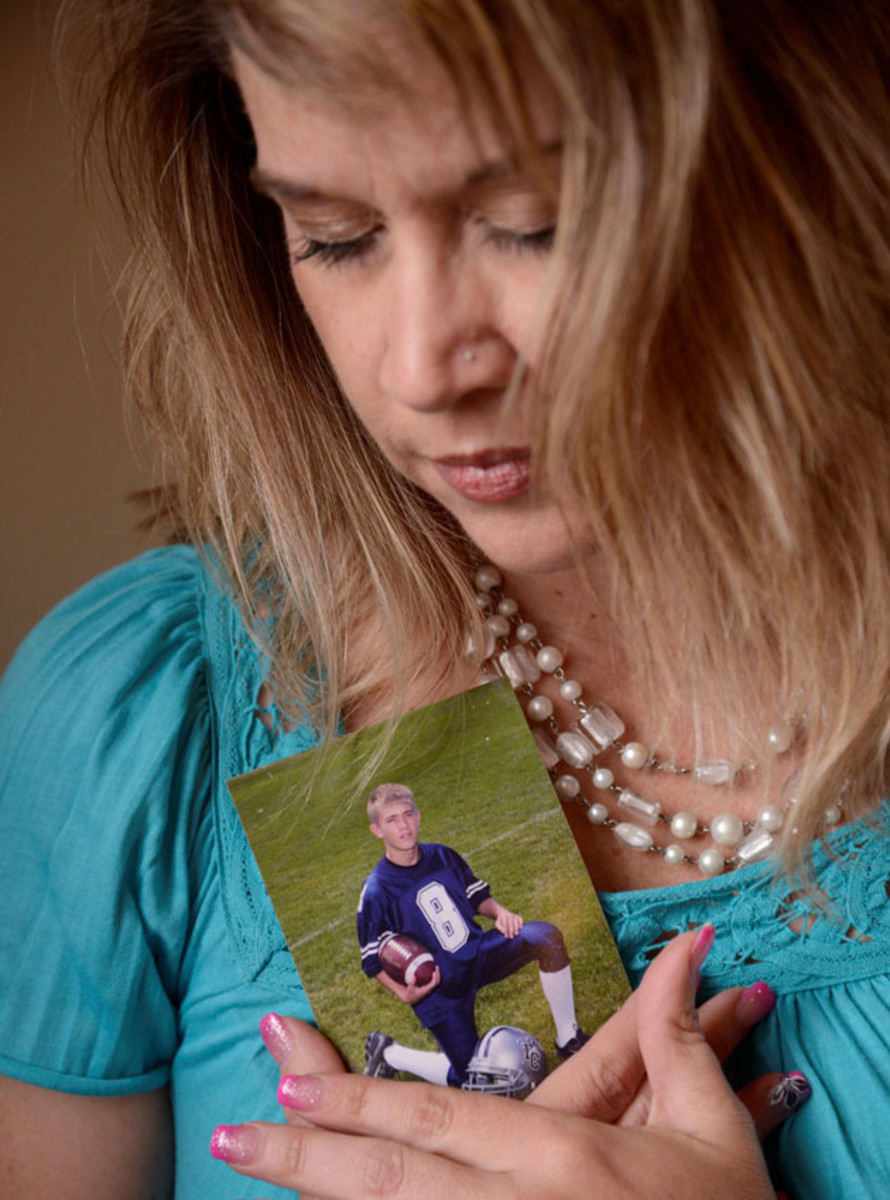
<point x="424" y="1140"/>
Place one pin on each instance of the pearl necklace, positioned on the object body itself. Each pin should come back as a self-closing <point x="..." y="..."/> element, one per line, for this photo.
<point x="599" y="731"/>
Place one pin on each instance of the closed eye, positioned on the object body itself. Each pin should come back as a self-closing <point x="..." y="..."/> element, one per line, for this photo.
<point x="539" y="240"/>
<point x="332" y="253"/>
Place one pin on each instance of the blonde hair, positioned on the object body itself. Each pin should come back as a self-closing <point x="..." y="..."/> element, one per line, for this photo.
<point x="714" y="371"/>
<point x="384" y="795"/>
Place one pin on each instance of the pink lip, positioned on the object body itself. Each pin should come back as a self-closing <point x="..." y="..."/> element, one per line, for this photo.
<point x="490" y="477"/>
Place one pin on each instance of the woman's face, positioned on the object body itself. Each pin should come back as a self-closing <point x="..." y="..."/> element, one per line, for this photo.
<point x="421" y="257"/>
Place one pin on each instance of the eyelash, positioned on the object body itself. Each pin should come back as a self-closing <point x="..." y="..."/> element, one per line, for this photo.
<point x="354" y="249"/>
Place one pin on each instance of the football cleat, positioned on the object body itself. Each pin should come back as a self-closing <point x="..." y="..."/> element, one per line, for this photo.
<point x="507" y="1062"/>
<point x="573" y="1045"/>
<point x="375" y="1063"/>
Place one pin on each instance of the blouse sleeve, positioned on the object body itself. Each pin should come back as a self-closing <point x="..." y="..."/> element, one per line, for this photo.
<point x="105" y="778"/>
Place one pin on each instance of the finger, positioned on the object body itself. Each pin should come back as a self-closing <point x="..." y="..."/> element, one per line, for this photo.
<point x="689" y="1092"/>
<point x="727" y="1017"/>
<point x="772" y="1098"/>
<point x="334" y="1166"/>
<point x="299" y="1049"/>
<point x="491" y="1132"/>
<point x="602" y="1079"/>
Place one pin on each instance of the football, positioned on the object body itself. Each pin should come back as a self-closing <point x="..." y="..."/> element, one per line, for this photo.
<point x="406" y="960"/>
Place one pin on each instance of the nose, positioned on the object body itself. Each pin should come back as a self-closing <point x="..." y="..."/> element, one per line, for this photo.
<point x="442" y="340"/>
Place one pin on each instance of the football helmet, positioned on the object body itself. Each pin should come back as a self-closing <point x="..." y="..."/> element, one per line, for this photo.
<point x="507" y="1062"/>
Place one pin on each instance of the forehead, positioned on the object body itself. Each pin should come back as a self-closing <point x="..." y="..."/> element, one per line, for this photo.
<point x="393" y="809"/>
<point x="419" y="132"/>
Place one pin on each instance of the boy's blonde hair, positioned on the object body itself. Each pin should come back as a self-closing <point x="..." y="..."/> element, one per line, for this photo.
<point x="385" y="795"/>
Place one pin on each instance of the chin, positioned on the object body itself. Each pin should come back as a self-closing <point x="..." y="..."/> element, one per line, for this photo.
<point x="526" y="543"/>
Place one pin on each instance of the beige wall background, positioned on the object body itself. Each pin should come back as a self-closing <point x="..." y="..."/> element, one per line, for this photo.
<point x="67" y="466"/>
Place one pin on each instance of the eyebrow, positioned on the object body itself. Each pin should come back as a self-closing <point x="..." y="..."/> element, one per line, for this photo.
<point x="291" y="190"/>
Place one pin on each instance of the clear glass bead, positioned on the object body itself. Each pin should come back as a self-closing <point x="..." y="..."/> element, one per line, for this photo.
<point x="755" y="847"/>
<point x="574" y="748"/>
<point x="546" y="749"/>
<point x="714" y="771"/>
<point x="602" y="725"/>
<point x="519" y="666"/>
<point x="638" y="806"/>
<point x="633" y="836"/>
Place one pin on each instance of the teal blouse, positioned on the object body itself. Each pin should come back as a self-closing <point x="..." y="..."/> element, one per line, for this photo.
<point x="138" y="947"/>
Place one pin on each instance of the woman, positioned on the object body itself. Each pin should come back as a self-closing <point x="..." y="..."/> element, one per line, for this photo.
<point x="594" y="292"/>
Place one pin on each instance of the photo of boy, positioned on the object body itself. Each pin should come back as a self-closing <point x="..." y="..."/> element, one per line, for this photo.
<point x="428" y="891"/>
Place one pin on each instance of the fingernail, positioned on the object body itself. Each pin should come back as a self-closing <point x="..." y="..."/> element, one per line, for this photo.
<point x="702" y="947"/>
<point x="790" y="1092"/>
<point x="235" y="1143"/>
<point x="300" y="1091"/>
<point x="275" y="1037"/>
<point x="755" y="1002"/>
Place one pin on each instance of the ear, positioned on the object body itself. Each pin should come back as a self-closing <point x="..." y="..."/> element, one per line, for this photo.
<point x="375" y="829"/>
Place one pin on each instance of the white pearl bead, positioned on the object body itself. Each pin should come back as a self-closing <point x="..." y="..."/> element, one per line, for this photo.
<point x="567" y="786"/>
<point x="684" y="825"/>
<point x="487" y="577"/>
<point x="539" y="708"/>
<point x="635" y="755"/>
<point x="771" y="818"/>
<point x="526" y="632"/>
<point x="674" y="854"/>
<point x="779" y="738"/>
<point x="832" y="814"/>
<point x="603" y="778"/>
<point x="483" y="600"/>
<point x="499" y="626"/>
<point x="507" y="607"/>
<point x="549" y="658"/>
<point x="597" y="814"/>
<point x="711" y="862"/>
<point x="570" y="690"/>
<point x="727" y="829"/>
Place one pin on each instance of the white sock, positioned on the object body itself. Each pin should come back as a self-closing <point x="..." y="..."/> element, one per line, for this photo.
<point x="560" y="996"/>
<point x="431" y="1065"/>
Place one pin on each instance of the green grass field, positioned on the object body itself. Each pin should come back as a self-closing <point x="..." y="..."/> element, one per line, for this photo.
<point x="481" y="789"/>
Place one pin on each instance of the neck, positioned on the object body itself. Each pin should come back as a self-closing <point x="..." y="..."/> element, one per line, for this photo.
<point x="404" y="858"/>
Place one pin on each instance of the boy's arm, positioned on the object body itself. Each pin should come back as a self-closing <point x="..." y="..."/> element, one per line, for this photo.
<point x="506" y="922"/>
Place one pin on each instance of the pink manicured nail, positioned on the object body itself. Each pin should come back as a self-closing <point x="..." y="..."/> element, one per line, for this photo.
<point x="702" y="947"/>
<point x="275" y="1037"/>
<point x="235" y="1143"/>
<point x="755" y="1002"/>
<point x="300" y="1091"/>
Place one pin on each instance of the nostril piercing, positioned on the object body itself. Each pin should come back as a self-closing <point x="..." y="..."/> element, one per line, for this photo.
<point x="469" y="355"/>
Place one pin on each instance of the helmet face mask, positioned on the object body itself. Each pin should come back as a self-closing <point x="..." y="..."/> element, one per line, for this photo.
<point x="508" y="1061"/>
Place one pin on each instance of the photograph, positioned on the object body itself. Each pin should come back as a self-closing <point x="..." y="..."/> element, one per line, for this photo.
<point x="436" y="906"/>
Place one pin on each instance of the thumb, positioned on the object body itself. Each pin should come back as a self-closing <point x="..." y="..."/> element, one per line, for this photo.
<point x="689" y="1091"/>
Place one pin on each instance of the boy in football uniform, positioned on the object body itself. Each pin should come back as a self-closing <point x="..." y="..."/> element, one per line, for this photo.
<point x="427" y="890"/>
